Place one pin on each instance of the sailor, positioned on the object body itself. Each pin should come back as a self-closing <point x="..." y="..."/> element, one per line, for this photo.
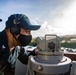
<point x="16" y="33"/>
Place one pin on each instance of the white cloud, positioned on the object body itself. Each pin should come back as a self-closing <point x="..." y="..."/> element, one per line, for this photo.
<point x="44" y="25"/>
<point x="60" y="21"/>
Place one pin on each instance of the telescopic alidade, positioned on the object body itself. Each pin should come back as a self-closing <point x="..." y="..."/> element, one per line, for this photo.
<point x="50" y="59"/>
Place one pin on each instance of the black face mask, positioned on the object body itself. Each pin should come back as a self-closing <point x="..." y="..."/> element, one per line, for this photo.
<point x="24" y="39"/>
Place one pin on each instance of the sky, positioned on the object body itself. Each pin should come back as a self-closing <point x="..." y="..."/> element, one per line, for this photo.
<point x="54" y="16"/>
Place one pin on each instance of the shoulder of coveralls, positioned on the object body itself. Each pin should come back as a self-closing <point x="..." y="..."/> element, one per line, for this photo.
<point x="0" y="39"/>
<point x="2" y="47"/>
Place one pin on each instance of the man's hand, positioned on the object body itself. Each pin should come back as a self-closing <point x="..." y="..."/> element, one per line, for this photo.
<point x="34" y="52"/>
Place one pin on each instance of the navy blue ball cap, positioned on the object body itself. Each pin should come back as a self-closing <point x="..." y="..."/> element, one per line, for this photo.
<point x="25" y="23"/>
<point x="22" y="21"/>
